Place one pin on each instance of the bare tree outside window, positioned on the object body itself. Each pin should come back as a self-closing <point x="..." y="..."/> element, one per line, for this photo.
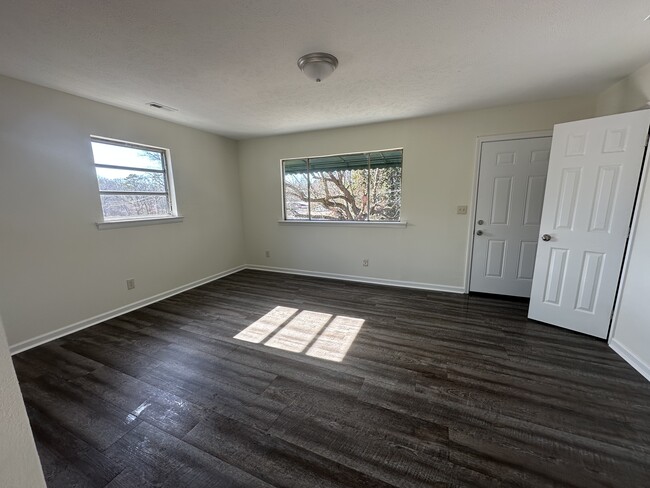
<point x="133" y="180"/>
<point x="350" y="187"/>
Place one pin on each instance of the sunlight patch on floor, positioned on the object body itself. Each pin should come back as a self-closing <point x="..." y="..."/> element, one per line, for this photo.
<point x="336" y="339"/>
<point x="300" y="331"/>
<point x="264" y="327"/>
<point x="321" y="335"/>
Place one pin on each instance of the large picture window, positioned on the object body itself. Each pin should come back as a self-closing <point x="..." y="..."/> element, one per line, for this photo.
<point x="356" y="187"/>
<point x="134" y="180"/>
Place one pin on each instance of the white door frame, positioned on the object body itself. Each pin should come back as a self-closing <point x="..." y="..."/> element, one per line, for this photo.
<point x="472" y="207"/>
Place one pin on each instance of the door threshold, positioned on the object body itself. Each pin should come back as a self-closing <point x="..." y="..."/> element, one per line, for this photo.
<point x="509" y="298"/>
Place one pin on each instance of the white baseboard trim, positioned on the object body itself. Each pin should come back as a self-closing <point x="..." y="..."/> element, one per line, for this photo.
<point x="69" y="329"/>
<point x="360" y="279"/>
<point x="632" y="359"/>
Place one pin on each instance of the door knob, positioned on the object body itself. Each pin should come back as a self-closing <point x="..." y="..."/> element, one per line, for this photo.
<point x="546" y="237"/>
<point x="480" y="222"/>
<point x="479" y="232"/>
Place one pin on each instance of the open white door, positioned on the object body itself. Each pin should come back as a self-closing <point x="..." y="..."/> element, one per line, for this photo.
<point x="591" y="188"/>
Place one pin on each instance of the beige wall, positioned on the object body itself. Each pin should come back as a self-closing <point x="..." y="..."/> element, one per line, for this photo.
<point x="631" y="330"/>
<point x="56" y="267"/>
<point x="439" y="160"/>
<point x="630" y="93"/>
<point x="19" y="463"/>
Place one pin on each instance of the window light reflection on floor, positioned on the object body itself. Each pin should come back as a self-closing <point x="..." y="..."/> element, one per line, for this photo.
<point x="336" y="339"/>
<point x="321" y="335"/>
<point x="264" y="327"/>
<point x="299" y="332"/>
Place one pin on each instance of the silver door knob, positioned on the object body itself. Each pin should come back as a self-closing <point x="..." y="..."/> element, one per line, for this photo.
<point x="480" y="222"/>
<point x="479" y="232"/>
<point x="546" y="237"/>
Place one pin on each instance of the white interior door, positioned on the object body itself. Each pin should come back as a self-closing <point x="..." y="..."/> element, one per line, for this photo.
<point x="512" y="177"/>
<point x="592" y="183"/>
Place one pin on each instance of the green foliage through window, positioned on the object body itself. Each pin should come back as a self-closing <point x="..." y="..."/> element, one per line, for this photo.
<point x="355" y="187"/>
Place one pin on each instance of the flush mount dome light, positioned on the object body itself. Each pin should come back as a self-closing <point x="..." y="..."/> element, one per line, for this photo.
<point x="317" y="66"/>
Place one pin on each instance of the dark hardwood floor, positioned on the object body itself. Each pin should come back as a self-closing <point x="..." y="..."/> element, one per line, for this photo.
<point x="436" y="390"/>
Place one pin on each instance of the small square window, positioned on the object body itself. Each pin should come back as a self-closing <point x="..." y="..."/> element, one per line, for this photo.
<point x="134" y="180"/>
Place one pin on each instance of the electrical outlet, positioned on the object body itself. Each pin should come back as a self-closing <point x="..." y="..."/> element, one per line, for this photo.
<point x="267" y="254"/>
<point x="365" y="263"/>
<point x="130" y="284"/>
<point x="461" y="210"/>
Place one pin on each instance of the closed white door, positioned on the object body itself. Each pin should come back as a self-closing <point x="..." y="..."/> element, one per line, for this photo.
<point x="592" y="184"/>
<point x="512" y="177"/>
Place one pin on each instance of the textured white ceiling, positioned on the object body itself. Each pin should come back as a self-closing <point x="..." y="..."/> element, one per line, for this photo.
<point x="230" y="66"/>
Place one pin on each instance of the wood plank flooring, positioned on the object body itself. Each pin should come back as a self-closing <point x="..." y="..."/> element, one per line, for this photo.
<point x="435" y="390"/>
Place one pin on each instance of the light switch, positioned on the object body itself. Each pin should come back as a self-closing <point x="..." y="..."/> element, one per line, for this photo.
<point x="461" y="210"/>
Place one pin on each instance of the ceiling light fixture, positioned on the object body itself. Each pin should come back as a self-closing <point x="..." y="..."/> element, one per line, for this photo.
<point x="317" y="66"/>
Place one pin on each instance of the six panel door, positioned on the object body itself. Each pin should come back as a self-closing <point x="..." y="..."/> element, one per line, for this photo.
<point x="593" y="178"/>
<point x="512" y="177"/>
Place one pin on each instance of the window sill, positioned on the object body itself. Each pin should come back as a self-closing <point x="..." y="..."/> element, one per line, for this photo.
<point x="118" y="224"/>
<point x="344" y="223"/>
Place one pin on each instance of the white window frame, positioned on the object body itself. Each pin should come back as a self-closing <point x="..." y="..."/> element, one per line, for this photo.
<point x="378" y="223"/>
<point x="128" y="221"/>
